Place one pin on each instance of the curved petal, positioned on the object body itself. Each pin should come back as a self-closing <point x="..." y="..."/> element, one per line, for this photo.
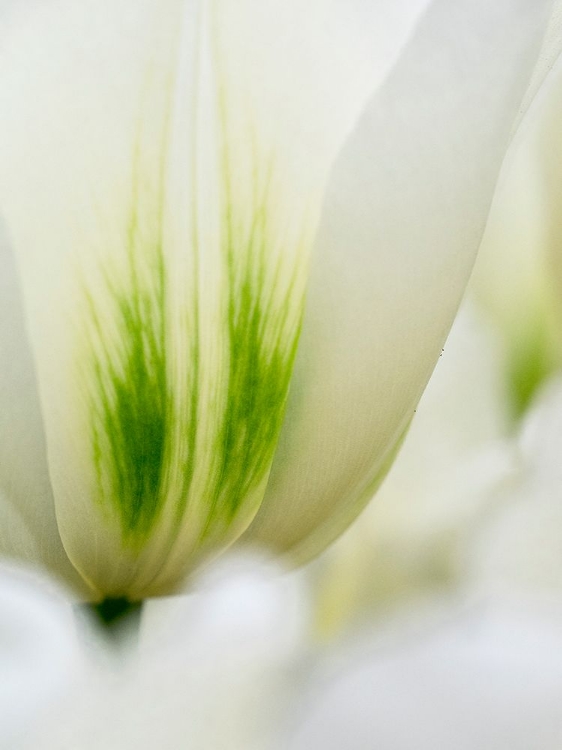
<point x="28" y="527"/>
<point x="163" y="168"/>
<point x="415" y="535"/>
<point x="403" y="218"/>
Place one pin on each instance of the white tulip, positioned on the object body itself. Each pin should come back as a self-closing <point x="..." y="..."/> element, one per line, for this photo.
<point x="167" y="170"/>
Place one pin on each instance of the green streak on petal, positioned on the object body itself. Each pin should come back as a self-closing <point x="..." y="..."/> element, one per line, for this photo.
<point x="262" y="314"/>
<point x="139" y="409"/>
<point x="262" y="336"/>
<point x="131" y="407"/>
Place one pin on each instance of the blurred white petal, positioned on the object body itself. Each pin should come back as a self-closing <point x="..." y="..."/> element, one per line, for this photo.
<point x="489" y="678"/>
<point x="214" y="670"/>
<point x="518" y="547"/>
<point x="519" y="273"/>
<point x="514" y="280"/>
<point x="38" y="654"/>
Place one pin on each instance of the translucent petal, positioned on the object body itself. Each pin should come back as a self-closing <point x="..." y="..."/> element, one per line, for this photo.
<point x="28" y="527"/>
<point x="163" y="169"/>
<point x="402" y="221"/>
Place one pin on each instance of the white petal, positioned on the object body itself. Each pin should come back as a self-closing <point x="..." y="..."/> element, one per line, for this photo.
<point x="518" y="546"/>
<point x="37" y="654"/>
<point x="28" y="527"/>
<point x="412" y="540"/>
<point x="518" y="275"/>
<point x="401" y="225"/>
<point x="163" y="168"/>
<point x="490" y="679"/>
<point x="212" y="670"/>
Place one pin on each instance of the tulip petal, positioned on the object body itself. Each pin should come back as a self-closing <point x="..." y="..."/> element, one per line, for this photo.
<point x="162" y="181"/>
<point x="401" y="224"/>
<point x="28" y="527"/>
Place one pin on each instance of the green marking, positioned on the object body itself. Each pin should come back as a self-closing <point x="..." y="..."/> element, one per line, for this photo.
<point x="263" y="320"/>
<point x="262" y="337"/>
<point x="137" y="409"/>
<point x="131" y="407"/>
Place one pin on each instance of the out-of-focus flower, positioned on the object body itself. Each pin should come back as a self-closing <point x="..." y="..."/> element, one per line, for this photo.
<point x="518" y="545"/>
<point x="231" y="667"/>
<point x="412" y="539"/>
<point x="167" y="168"/>
<point x="487" y="676"/>
<point x="522" y="540"/>
<point x="518" y="273"/>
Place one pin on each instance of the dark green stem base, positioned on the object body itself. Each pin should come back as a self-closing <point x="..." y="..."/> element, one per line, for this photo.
<point x="118" y="619"/>
<point x="112" y="612"/>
